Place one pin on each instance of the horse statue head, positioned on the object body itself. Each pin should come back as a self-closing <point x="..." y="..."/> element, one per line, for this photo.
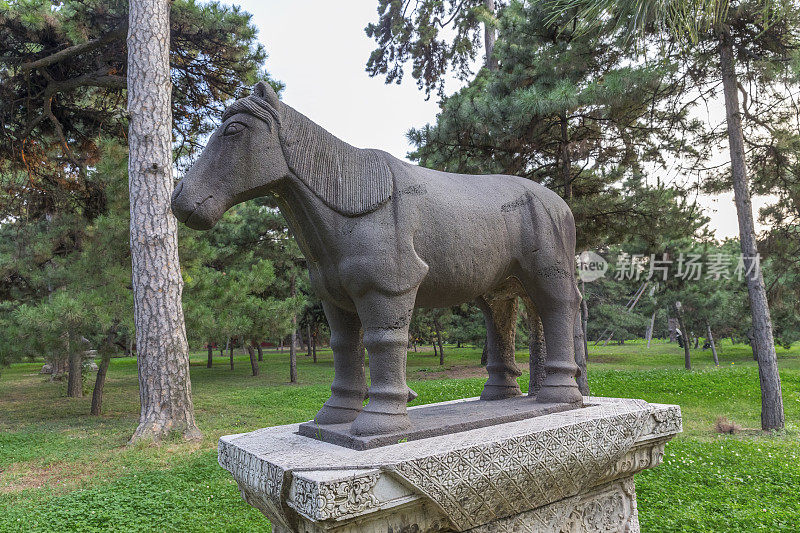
<point x="242" y="159"/>
<point x="262" y="142"/>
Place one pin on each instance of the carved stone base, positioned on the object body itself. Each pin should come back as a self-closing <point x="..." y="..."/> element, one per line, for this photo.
<point x="609" y="507"/>
<point x="570" y="471"/>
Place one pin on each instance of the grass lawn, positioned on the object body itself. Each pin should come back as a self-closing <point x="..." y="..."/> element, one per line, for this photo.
<point x="63" y="470"/>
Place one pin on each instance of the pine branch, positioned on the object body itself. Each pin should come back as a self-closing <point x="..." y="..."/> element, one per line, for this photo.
<point x="77" y="49"/>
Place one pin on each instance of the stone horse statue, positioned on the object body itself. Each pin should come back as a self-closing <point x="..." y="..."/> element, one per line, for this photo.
<point x="381" y="237"/>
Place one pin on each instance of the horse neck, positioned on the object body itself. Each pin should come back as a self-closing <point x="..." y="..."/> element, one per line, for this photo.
<point x="310" y="221"/>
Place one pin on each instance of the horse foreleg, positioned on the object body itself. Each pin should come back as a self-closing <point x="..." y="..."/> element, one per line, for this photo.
<point x="349" y="384"/>
<point x="385" y="320"/>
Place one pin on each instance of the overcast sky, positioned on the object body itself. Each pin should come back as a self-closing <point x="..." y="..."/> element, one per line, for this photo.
<point x="318" y="48"/>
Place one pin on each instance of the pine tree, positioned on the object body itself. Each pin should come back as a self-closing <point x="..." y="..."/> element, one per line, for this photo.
<point x="754" y="28"/>
<point x="435" y="36"/>
<point x="165" y="389"/>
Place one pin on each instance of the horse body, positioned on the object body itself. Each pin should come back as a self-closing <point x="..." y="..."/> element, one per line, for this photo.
<point x="474" y="232"/>
<point x="382" y="236"/>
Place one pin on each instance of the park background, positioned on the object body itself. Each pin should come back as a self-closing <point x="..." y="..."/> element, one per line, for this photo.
<point x="636" y="142"/>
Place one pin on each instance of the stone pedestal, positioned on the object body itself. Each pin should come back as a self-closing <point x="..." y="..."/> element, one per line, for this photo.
<point x="566" y="471"/>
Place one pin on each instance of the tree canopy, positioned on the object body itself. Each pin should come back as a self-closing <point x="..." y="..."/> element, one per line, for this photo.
<point x="63" y="72"/>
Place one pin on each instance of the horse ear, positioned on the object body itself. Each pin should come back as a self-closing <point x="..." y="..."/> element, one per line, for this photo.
<point x="263" y="90"/>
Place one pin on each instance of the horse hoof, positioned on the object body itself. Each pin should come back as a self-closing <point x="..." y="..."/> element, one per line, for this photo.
<point x="556" y="394"/>
<point x="411" y="395"/>
<point x="374" y="423"/>
<point x="335" y="415"/>
<point x="495" y="392"/>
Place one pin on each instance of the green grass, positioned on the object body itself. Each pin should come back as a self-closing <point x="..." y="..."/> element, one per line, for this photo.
<point x="62" y="470"/>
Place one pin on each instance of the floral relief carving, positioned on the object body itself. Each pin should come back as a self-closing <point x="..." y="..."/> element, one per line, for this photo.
<point x="336" y="499"/>
<point x="664" y="421"/>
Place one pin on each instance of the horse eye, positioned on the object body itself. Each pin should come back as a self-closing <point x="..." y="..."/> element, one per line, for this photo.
<point x="233" y="128"/>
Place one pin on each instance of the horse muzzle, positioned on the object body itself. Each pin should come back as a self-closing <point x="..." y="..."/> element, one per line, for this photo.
<point x="197" y="213"/>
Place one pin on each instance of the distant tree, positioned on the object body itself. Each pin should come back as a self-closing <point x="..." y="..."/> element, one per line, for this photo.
<point x="239" y="278"/>
<point x="435" y="36"/>
<point x="466" y="325"/>
<point x="62" y="86"/>
<point x="568" y="110"/>
<point x="313" y="318"/>
<point x="750" y="31"/>
<point x="70" y="291"/>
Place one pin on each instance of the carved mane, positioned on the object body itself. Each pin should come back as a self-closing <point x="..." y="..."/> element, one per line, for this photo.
<point x="351" y="181"/>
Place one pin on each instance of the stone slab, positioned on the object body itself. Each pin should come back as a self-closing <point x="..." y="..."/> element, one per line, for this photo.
<point x="577" y="463"/>
<point x="439" y="419"/>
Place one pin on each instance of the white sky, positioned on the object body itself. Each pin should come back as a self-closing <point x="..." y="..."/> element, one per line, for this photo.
<point x="318" y="48"/>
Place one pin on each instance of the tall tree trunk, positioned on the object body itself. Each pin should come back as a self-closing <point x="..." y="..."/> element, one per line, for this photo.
<point x="260" y="352"/>
<point x="165" y="390"/>
<point x="484" y="353"/>
<point x="75" y="376"/>
<point x="439" y="339"/>
<point x="751" y="340"/>
<point x="650" y="328"/>
<point x="687" y="355"/>
<point x="490" y="37"/>
<point x="314" y="342"/>
<point x="230" y="351"/>
<point x="99" y="384"/>
<point x="308" y="340"/>
<point x="293" y="357"/>
<point x="713" y="345"/>
<point x="102" y="370"/>
<point x="210" y="355"/>
<point x="293" y="346"/>
<point x="59" y="363"/>
<point x="772" y="415"/>
<point x="253" y="359"/>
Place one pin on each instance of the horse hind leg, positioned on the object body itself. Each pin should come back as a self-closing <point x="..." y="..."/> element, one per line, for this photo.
<point x="556" y="298"/>
<point x="536" y="346"/>
<point x="500" y="313"/>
